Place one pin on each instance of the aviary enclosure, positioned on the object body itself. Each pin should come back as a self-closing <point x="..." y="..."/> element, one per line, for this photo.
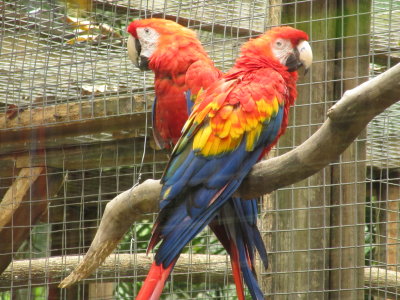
<point x="75" y="132"/>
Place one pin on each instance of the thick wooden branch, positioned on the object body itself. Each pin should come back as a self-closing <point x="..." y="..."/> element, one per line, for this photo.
<point x="16" y="193"/>
<point x="40" y="270"/>
<point x="89" y="156"/>
<point x="119" y="215"/>
<point x="383" y="283"/>
<point x="216" y="266"/>
<point x="347" y="118"/>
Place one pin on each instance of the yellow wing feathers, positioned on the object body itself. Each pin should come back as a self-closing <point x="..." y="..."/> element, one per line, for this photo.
<point x="224" y="126"/>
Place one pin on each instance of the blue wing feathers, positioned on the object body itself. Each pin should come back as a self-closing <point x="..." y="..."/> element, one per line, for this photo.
<point x="172" y="244"/>
<point x="189" y="102"/>
<point x="196" y="188"/>
<point x="175" y="238"/>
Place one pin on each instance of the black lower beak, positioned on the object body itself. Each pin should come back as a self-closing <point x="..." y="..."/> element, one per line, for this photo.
<point x="143" y="63"/>
<point x="293" y="62"/>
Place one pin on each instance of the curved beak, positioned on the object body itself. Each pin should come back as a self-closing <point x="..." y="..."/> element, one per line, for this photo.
<point x="134" y="54"/>
<point x="305" y="54"/>
<point x="301" y="56"/>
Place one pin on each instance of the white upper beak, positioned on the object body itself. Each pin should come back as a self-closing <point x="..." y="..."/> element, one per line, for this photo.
<point x="132" y="53"/>
<point x="305" y="54"/>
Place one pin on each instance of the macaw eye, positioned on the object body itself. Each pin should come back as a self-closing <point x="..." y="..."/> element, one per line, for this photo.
<point x="146" y="30"/>
<point x="279" y="44"/>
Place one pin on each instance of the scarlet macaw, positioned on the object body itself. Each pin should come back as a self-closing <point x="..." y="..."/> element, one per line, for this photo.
<point x="154" y="43"/>
<point x="233" y="124"/>
<point x="178" y="61"/>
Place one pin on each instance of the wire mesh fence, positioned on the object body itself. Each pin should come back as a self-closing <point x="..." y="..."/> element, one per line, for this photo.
<point x="75" y="131"/>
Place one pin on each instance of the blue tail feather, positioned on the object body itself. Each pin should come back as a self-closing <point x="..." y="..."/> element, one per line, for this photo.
<point x="248" y="275"/>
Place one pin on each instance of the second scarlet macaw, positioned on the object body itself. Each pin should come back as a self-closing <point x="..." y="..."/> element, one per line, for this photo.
<point x="179" y="63"/>
<point x="160" y="45"/>
<point x="235" y="121"/>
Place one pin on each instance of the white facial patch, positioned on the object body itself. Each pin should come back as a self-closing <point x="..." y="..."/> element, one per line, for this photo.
<point x="281" y="49"/>
<point x="148" y="38"/>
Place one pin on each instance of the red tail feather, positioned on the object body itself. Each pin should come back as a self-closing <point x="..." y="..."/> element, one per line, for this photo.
<point x="153" y="285"/>
<point x="237" y="277"/>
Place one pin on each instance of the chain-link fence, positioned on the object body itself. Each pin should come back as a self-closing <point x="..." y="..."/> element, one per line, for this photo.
<point x="75" y="131"/>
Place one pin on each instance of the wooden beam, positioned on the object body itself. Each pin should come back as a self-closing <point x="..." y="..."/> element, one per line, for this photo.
<point x="96" y="155"/>
<point x="121" y="265"/>
<point x="348" y="191"/>
<point x="382" y="283"/>
<point x="216" y="268"/>
<point x="268" y="219"/>
<point x="385" y="59"/>
<point x="35" y="186"/>
<point x="37" y="128"/>
<point x="299" y="239"/>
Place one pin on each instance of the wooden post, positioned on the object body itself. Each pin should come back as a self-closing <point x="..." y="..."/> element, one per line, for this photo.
<point x="348" y="176"/>
<point x="267" y="217"/>
<point x="299" y="260"/>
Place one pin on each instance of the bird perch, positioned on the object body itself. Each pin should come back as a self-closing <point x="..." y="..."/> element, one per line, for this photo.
<point x="378" y="280"/>
<point x="346" y="119"/>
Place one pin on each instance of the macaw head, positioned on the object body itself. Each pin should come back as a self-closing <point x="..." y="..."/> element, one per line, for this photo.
<point x="286" y="45"/>
<point x="159" y="43"/>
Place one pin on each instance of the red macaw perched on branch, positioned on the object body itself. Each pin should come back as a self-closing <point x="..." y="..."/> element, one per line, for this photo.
<point x="234" y="123"/>
<point x="236" y="223"/>
<point x="174" y="54"/>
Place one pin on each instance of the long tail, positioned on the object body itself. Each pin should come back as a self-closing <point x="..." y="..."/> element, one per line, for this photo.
<point x="237" y="276"/>
<point x="235" y="227"/>
<point x="246" y="261"/>
<point x="153" y="285"/>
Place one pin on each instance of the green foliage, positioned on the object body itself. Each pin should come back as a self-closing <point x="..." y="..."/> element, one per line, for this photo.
<point x="5" y="295"/>
<point x="370" y="230"/>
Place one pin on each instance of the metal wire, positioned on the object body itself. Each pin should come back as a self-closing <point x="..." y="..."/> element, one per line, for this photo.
<point x="327" y="236"/>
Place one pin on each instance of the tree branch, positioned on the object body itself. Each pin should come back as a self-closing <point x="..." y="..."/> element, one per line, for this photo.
<point x="380" y="281"/>
<point x="121" y="265"/>
<point x="347" y="118"/>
